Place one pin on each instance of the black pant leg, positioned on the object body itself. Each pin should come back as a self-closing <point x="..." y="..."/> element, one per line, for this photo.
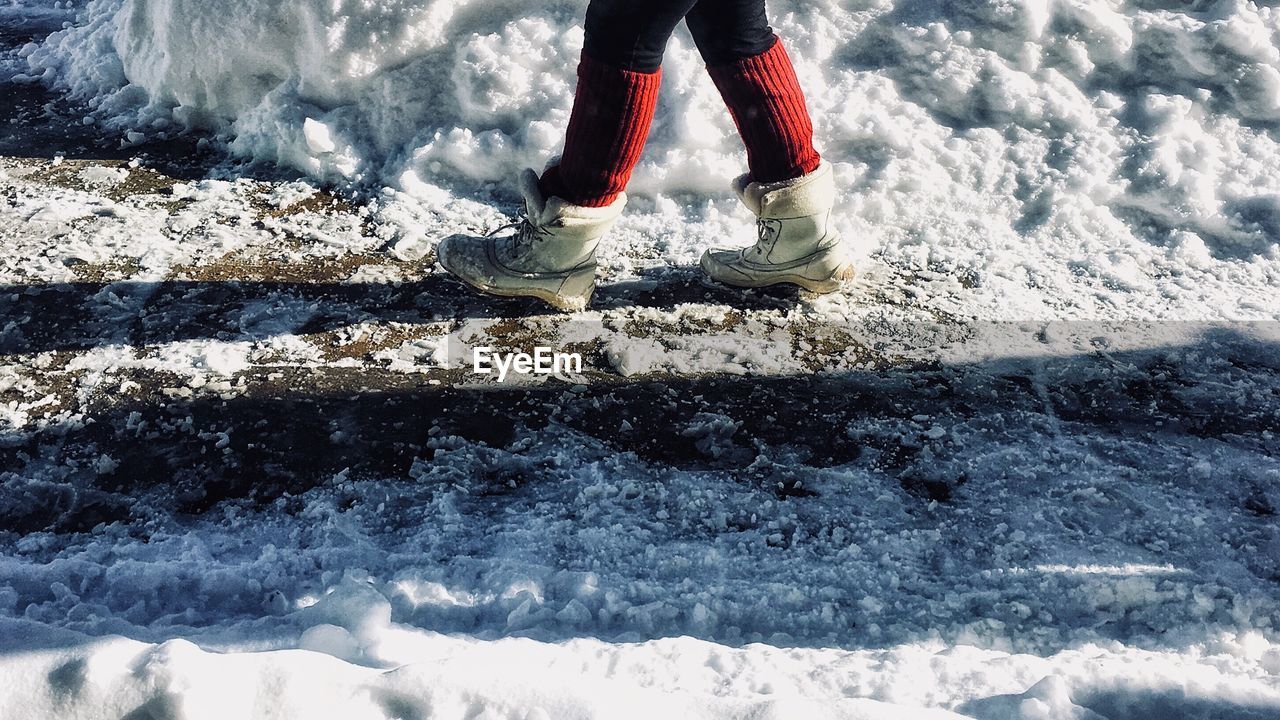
<point x="632" y="34"/>
<point x="726" y="31"/>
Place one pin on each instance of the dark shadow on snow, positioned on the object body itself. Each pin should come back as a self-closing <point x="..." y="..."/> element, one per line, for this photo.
<point x="1171" y="704"/>
<point x="84" y="315"/>
<point x="387" y="419"/>
<point x="287" y="436"/>
<point x="1121" y="703"/>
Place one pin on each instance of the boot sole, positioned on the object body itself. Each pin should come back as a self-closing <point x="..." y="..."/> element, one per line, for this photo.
<point x="559" y="302"/>
<point x="563" y="303"/>
<point x="838" y="280"/>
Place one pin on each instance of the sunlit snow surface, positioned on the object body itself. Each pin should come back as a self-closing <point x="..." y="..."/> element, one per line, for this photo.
<point x="1025" y="468"/>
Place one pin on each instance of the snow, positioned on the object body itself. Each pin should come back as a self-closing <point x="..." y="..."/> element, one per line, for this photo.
<point x="995" y="142"/>
<point x="1076" y="571"/>
<point x="1025" y="468"/>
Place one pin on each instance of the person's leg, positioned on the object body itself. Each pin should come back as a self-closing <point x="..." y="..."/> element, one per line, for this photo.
<point x="552" y="253"/>
<point x="750" y="67"/>
<point x="617" y="92"/>
<point x="727" y="31"/>
<point x="632" y="34"/>
<point x="788" y="187"/>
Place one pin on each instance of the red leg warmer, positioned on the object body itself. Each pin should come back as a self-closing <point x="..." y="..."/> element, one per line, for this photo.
<point x="612" y="111"/>
<point x="768" y="106"/>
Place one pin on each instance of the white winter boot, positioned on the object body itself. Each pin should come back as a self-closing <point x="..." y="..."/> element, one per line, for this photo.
<point x="798" y="243"/>
<point x="550" y="256"/>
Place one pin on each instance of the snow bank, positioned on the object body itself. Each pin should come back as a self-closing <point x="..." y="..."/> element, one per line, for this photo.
<point x="338" y="90"/>
<point x="1020" y="145"/>
<point x="1162" y="111"/>
<point x="508" y="680"/>
<point x="443" y="677"/>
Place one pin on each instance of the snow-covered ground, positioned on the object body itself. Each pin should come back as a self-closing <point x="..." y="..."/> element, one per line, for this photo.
<point x="1025" y="468"/>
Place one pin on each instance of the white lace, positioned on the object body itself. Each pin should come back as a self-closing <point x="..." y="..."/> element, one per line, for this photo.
<point x="767" y="232"/>
<point x="525" y="236"/>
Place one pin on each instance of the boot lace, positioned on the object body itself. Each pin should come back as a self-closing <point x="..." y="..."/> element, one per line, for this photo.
<point x="767" y="232"/>
<point x="526" y="234"/>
